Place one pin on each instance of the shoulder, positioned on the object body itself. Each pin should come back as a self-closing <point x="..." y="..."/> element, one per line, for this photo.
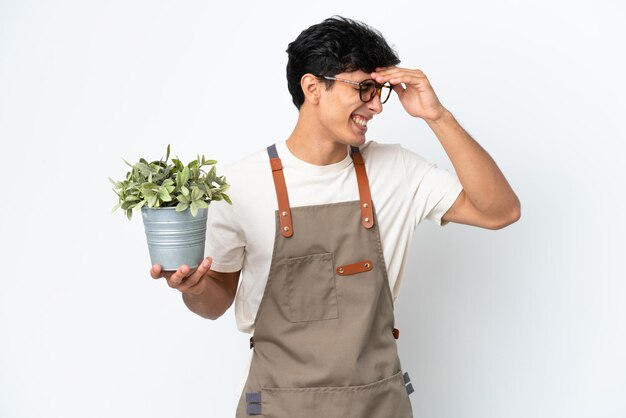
<point x="380" y="155"/>
<point x="248" y="176"/>
<point x="393" y="154"/>
<point x="247" y="162"/>
<point x="375" y="148"/>
<point x="246" y="169"/>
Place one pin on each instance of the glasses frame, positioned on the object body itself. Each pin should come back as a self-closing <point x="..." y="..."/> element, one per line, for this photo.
<point x="379" y="87"/>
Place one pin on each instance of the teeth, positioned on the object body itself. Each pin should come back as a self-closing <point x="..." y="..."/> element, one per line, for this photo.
<point x="360" y="121"/>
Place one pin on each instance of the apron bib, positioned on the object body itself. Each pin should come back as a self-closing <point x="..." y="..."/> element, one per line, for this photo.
<point x="324" y="340"/>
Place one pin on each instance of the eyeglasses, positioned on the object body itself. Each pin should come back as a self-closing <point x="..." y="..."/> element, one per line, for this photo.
<point x="368" y="88"/>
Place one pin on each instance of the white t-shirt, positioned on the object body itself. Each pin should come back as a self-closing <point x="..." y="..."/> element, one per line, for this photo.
<point x="405" y="189"/>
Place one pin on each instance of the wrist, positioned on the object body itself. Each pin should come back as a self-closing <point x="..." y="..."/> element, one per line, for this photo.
<point x="444" y="116"/>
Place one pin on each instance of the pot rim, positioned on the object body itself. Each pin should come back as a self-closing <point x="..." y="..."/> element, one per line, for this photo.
<point x="168" y="207"/>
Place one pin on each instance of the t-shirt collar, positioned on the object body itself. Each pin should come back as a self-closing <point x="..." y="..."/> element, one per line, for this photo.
<point x="288" y="159"/>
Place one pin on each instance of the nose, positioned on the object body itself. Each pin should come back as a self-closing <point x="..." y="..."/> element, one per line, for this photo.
<point x="375" y="105"/>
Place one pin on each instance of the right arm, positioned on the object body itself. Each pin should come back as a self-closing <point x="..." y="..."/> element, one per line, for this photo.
<point x="216" y="296"/>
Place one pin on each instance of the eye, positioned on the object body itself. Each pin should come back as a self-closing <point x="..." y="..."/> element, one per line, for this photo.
<point x="369" y="86"/>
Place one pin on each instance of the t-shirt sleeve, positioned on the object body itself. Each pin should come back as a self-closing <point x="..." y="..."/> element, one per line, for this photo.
<point x="225" y="239"/>
<point x="432" y="190"/>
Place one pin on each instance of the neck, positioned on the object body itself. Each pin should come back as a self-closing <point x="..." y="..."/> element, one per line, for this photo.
<point x="312" y="146"/>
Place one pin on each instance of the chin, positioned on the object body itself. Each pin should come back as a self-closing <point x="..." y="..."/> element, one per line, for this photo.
<point x="360" y="141"/>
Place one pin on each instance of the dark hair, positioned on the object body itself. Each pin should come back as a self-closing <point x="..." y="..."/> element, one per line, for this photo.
<point x="336" y="45"/>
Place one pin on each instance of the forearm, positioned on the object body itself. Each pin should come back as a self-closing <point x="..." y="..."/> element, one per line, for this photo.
<point x="215" y="298"/>
<point x="482" y="180"/>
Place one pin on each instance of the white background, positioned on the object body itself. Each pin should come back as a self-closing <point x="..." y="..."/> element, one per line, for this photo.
<point x="527" y="321"/>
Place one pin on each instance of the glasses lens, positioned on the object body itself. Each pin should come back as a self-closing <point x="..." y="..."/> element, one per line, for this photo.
<point x="385" y="92"/>
<point x="367" y="90"/>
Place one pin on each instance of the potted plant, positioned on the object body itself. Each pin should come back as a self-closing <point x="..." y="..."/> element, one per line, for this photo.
<point x="174" y="201"/>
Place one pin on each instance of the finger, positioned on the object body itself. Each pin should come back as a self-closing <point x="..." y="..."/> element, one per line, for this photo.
<point x="404" y="75"/>
<point x="397" y="79"/>
<point x="387" y="68"/>
<point x="393" y="70"/>
<point x="179" y="275"/>
<point x="195" y="278"/>
<point x="382" y="78"/>
<point x="395" y="74"/>
<point x="189" y="282"/>
<point x="196" y="289"/>
<point x="407" y="79"/>
<point x="155" y="270"/>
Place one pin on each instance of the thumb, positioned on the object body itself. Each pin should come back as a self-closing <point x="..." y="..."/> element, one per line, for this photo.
<point x="205" y="265"/>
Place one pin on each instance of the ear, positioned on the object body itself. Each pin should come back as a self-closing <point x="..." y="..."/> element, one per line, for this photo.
<point x="311" y="87"/>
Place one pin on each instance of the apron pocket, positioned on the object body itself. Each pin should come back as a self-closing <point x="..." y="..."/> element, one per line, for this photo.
<point x="311" y="291"/>
<point x="386" y="398"/>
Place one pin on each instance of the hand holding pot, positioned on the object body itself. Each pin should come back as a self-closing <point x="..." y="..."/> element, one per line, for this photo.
<point x="184" y="279"/>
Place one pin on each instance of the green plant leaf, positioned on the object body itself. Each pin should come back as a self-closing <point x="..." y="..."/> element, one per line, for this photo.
<point x="164" y="184"/>
<point x="185" y="175"/>
<point x="181" y="207"/>
<point x="194" y="209"/>
<point x="148" y="186"/>
<point x="117" y="184"/>
<point x="164" y="195"/>
<point x="196" y="193"/>
<point x="201" y="204"/>
<point x="144" y="168"/>
<point x="226" y="198"/>
<point x="152" y="200"/>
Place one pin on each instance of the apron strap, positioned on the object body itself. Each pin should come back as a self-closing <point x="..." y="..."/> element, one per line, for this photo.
<point x="367" y="215"/>
<point x="284" y="211"/>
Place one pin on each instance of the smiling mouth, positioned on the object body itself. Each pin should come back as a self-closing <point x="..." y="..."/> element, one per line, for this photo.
<point x="359" y="121"/>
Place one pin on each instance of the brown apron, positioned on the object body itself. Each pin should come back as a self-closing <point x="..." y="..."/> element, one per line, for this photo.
<point x="324" y="339"/>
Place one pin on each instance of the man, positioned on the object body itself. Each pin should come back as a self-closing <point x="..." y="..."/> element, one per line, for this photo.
<point x="320" y="226"/>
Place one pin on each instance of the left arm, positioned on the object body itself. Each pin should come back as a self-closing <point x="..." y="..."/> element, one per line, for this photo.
<point x="487" y="200"/>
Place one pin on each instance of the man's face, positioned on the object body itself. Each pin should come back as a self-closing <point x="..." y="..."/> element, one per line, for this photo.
<point x="341" y="112"/>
